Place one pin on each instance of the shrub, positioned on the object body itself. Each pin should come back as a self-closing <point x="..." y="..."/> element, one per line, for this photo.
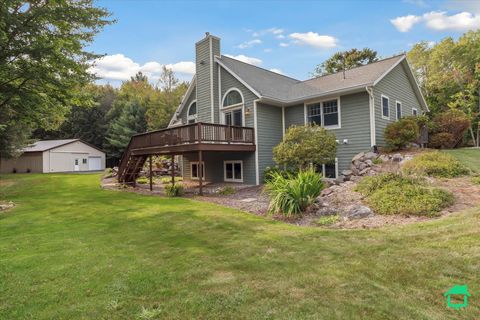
<point x="271" y="171"/>
<point x="452" y="124"/>
<point x="377" y="161"/>
<point x="142" y="180"/>
<point x="108" y="173"/>
<point x="442" y="140"/>
<point x="175" y="190"/>
<point x="436" y="164"/>
<point x="291" y="195"/>
<point x="303" y="145"/>
<point x="327" y="220"/>
<point x="394" y="194"/>
<point x="402" y="132"/>
<point x="226" y="191"/>
<point x="167" y="180"/>
<point x="476" y="180"/>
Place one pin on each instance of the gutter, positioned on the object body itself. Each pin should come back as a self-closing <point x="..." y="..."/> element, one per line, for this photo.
<point x="371" y="103"/>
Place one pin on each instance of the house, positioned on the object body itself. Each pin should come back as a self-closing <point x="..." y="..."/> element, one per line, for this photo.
<point x="234" y="113"/>
<point x="457" y="290"/>
<point x="56" y="156"/>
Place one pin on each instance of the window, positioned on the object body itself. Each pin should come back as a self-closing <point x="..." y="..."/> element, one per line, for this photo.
<point x="385" y="107"/>
<point x="324" y="114"/>
<point x="194" y="170"/>
<point x="399" y="109"/>
<point x="233" y="117"/>
<point x="415" y="111"/>
<point x="192" y="113"/>
<point x="84" y="161"/>
<point x="328" y="171"/>
<point x="233" y="97"/>
<point x="76" y="162"/>
<point x="233" y="171"/>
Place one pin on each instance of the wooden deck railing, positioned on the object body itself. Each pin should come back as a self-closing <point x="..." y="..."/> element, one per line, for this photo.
<point x="196" y="133"/>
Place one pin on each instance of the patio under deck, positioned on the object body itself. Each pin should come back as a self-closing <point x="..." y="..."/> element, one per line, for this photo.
<point x="192" y="138"/>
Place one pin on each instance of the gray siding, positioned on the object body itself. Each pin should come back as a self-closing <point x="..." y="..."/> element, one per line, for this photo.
<point x="214" y="165"/>
<point x="184" y="113"/>
<point x="204" y="63"/>
<point x="294" y="115"/>
<point x="227" y="82"/>
<point x="355" y="128"/>
<point x="269" y="120"/>
<point x="396" y="86"/>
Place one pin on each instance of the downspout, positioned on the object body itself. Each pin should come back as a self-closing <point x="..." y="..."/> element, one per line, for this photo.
<point x="371" y="100"/>
<point x="255" y="126"/>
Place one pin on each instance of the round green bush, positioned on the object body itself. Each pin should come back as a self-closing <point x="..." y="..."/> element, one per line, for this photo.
<point x="435" y="164"/>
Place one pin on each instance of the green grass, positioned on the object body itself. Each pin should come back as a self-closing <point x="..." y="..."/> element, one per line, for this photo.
<point x="470" y="157"/>
<point x="70" y="250"/>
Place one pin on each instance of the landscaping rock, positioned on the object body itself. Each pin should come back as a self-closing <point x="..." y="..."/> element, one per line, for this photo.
<point x="364" y="171"/>
<point x="347" y="172"/>
<point x="369" y="162"/>
<point x="384" y="157"/>
<point x="326" y="192"/>
<point x="356" y="212"/>
<point x="397" y="157"/>
<point x="371" y="155"/>
<point x="358" y="156"/>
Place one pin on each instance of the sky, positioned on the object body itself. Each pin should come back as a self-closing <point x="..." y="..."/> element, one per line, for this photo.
<point x="288" y="37"/>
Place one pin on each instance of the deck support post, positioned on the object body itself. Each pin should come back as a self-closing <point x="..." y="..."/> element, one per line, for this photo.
<point x="150" y="173"/>
<point x="173" y="169"/>
<point x="200" y="172"/>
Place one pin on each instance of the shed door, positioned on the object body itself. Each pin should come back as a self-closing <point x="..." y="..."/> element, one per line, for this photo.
<point x="94" y="163"/>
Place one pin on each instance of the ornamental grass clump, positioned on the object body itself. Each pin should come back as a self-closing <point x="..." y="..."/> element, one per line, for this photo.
<point x="391" y="194"/>
<point x="175" y="190"/>
<point x="435" y="164"/>
<point x="292" y="194"/>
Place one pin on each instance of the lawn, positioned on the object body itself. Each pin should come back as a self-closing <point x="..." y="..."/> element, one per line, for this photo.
<point x="469" y="156"/>
<point x="70" y="250"/>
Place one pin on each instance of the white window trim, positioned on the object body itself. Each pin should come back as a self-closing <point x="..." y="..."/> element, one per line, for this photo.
<point x="415" y="110"/>
<point x="305" y="110"/>
<point x="225" y="170"/>
<point x="381" y="107"/>
<point x="194" y="117"/>
<point x="396" y="110"/>
<point x="233" y="106"/>
<point x="191" y="169"/>
<point x="336" y="170"/>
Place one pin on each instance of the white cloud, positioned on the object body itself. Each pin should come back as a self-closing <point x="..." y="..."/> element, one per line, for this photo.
<point x="246" y="59"/>
<point x="276" y="70"/>
<point x="283" y="44"/>
<point x="314" y="39"/>
<point x="250" y="43"/>
<point x="404" y="24"/>
<point x="119" y="67"/>
<point x="267" y="50"/>
<point x="280" y="36"/>
<point x="439" y="21"/>
<point x="275" y="31"/>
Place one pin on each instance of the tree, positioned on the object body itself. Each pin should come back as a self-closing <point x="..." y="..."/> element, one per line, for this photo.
<point x="43" y="63"/>
<point x="345" y="60"/>
<point x="171" y="93"/>
<point x="305" y="145"/>
<point x="131" y="121"/>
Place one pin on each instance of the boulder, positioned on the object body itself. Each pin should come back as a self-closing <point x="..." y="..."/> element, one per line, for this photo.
<point x="397" y="157"/>
<point x="364" y="172"/>
<point x="359" y="156"/>
<point x="362" y="166"/>
<point x="384" y="157"/>
<point x="326" y="192"/>
<point x="347" y="172"/>
<point x="369" y="162"/>
<point x="357" y="212"/>
<point x="340" y="179"/>
<point x="371" y="155"/>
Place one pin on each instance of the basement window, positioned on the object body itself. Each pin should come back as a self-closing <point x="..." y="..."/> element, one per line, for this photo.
<point x="233" y="171"/>
<point x="194" y="170"/>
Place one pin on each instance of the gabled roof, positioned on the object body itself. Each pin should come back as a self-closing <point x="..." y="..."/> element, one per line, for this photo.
<point x="287" y="90"/>
<point x="44" y="145"/>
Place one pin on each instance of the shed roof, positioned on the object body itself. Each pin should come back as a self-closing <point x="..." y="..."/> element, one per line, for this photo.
<point x="45" y="145"/>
